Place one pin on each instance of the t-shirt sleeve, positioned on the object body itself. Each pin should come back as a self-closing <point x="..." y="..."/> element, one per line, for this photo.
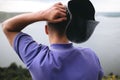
<point x="101" y="73"/>
<point x="26" y="48"/>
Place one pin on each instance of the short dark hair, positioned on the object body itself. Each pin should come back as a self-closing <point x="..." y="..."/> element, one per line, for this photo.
<point x="59" y="27"/>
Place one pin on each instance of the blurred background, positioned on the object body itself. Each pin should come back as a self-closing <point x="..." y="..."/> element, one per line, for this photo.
<point x="105" y="40"/>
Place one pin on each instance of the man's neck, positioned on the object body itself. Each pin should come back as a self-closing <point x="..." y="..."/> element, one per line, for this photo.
<point x="59" y="40"/>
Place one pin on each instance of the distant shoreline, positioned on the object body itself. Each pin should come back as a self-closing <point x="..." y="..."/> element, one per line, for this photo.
<point x="108" y="14"/>
<point x="6" y="15"/>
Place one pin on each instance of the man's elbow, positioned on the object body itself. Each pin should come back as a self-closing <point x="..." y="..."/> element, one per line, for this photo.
<point x="4" y="27"/>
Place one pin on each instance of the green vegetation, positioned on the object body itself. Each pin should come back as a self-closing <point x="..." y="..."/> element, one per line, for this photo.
<point x="111" y="76"/>
<point x="14" y="72"/>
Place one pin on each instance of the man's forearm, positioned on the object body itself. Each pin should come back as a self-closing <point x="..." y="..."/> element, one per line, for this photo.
<point x="17" y="23"/>
<point x="56" y="13"/>
<point x="13" y="26"/>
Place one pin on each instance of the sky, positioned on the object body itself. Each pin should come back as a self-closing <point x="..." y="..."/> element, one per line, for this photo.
<point x="35" y="5"/>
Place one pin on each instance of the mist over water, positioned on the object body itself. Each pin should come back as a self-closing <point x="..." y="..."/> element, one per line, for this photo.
<point x="105" y="41"/>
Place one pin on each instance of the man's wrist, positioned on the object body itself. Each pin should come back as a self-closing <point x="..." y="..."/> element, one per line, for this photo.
<point x="40" y="16"/>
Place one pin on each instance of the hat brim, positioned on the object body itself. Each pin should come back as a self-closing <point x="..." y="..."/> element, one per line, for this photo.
<point x="74" y="33"/>
<point x="79" y="29"/>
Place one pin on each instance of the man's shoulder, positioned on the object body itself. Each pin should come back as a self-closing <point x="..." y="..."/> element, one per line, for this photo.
<point x="86" y="51"/>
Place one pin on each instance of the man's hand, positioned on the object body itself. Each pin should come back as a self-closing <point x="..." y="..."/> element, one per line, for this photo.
<point x="13" y="26"/>
<point x="56" y="13"/>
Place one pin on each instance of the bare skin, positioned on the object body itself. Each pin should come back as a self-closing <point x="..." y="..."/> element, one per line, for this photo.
<point x="54" y="14"/>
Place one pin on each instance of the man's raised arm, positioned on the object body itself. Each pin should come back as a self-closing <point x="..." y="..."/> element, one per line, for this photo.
<point x="13" y="26"/>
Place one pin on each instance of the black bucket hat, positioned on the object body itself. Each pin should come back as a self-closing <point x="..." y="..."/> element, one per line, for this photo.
<point x="81" y="20"/>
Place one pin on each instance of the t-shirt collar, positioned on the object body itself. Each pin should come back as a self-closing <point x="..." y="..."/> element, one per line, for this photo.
<point x="61" y="46"/>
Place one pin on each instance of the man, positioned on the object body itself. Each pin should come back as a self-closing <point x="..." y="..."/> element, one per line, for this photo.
<point x="60" y="61"/>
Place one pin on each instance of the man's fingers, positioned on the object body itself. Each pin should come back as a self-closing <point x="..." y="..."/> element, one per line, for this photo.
<point x="62" y="10"/>
<point x="61" y="14"/>
<point x="60" y="7"/>
<point x="57" y="13"/>
<point x="58" y="4"/>
<point x="60" y="19"/>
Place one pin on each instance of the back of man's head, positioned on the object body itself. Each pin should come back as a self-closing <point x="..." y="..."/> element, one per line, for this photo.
<point x="60" y="27"/>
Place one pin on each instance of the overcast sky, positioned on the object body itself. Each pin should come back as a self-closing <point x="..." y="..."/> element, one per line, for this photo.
<point x="34" y="5"/>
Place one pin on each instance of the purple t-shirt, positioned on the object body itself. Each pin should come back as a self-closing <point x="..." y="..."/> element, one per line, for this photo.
<point x="57" y="62"/>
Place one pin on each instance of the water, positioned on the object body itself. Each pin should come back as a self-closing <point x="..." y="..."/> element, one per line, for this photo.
<point x="105" y="41"/>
